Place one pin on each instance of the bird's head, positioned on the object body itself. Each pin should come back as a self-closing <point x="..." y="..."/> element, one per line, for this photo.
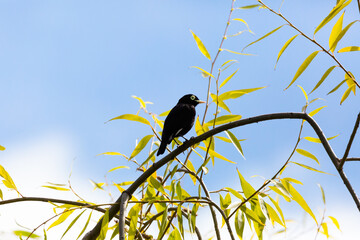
<point x="190" y="99"/>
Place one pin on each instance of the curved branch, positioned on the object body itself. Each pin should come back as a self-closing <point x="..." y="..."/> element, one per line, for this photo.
<point x="115" y="208"/>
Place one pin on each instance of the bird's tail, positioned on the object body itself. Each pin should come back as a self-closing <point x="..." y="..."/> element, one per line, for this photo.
<point x="161" y="148"/>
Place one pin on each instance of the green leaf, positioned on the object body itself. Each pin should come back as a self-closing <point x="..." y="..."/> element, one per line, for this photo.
<point x="239" y="223"/>
<point x="312" y="113"/>
<point x="235" y="193"/>
<point x="180" y="220"/>
<point x="22" y="233"/>
<point x="220" y="102"/>
<point x="309" y="168"/>
<point x="326" y="74"/>
<point x="276" y="204"/>
<point x="317" y="140"/>
<point x="307" y="154"/>
<point x="251" y="214"/>
<point x="62" y="218"/>
<point x="201" y="46"/>
<point x="335" y="32"/>
<point x="339" y="6"/>
<point x="263" y="207"/>
<point x="205" y="73"/>
<point x="349" y="49"/>
<point x="287" y="43"/>
<point x="104" y="226"/>
<point x="303" y="66"/>
<point x="341" y="34"/>
<point x="156" y="184"/>
<point x="223" y="119"/>
<point x="281" y="190"/>
<point x="2" y="148"/>
<point x="274" y="217"/>
<point x="72" y="223"/>
<point x="235" y="142"/>
<point x="335" y="221"/>
<point x="164" y="221"/>
<point x="246" y="187"/>
<point x="249" y="6"/>
<point x="140" y="146"/>
<point x="192" y="218"/>
<point x="131" y="117"/>
<point x="174" y="235"/>
<point x="266" y="35"/>
<point x="322" y="194"/>
<point x="85" y="226"/>
<point x="228" y="78"/>
<point x="215" y="154"/>
<point x="133" y="215"/>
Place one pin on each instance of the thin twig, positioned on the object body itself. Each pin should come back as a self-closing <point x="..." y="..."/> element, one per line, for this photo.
<point x="356" y="126"/>
<point x="312" y="40"/>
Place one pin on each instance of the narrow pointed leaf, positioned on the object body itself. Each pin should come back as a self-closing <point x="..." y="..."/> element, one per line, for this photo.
<point x="133" y="215"/>
<point x="249" y="6"/>
<point x="201" y="46"/>
<point x="307" y="154"/>
<point x="132" y="117"/>
<point x="305" y="94"/>
<point x="85" y="226"/>
<point x="339" y="6"/>
<point x="61" y="219"/>
<point x="140" y="146"/>
<point x="239" y="53"/>
<point x="266" y="35"/>
<point x="104" y="226"/>
<point x="236" y="142"/>
<point x="246" y="187"/>
<point x="317" y="140"/>
<point x="2" y="148"/>
<point x="205" y="73"/>
<point x="243" y="21"/>
<point x="215" y="154"/>
<point x="335" y="221"/>
<point x="228" y="78"/>
<point x="237" y="93"/>
<point x="72" y="223"/>
<point x="347" y="93"/>
<point x="224" y="119"/>
<point x="119" y="167"/>
<point x="322" y="194"/>
<point x="239" y="224"/>
<point x="326" y="74"/>
<point x="335" y="32"/>
<point x="349" y="49"/>
<point x="303" y="66"/>
<point x="312" y="113"/>
<point x="309" y="168"/>
<point x="341" y="34"/>
<point x="287" y="43"/>
<point x="337" y="86"/>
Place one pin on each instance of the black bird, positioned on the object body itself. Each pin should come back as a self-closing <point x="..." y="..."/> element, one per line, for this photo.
<point x="179" y="121"/>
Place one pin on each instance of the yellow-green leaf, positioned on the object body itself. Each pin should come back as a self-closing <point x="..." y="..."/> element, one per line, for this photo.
<point x="325" y="229"/>
<point x="287" y="43"/>
<point x="246" y="187"/>
<point x="322" y="194"/>
<point x="312" y="113"/>
<point x="349" y="49"/>
<point x="239" y="223"/>
<point x="327" y="72"/>
<point x="317" y="140"/>
<point x="237" y="93"/>
<point x="235" y="142"/>
<point x="2" y="148"/>
<point x="228" y="78"/>
<point x="251" y="214"/>
<point x="215" y="154"/>
<point x="341" y="34"/>
<point x="239" y="53"/>
<point x="56" y="188"/>
<point x="205" y="73"/>
<point x="309" y="168"/>
<point x="85" y="226"/>
<point x="243" y="21"/>
<point x="8" y="182"/>
<point x="335" y="32"/>
<point x="339" y="6"/>
<point x="72" y="223"/>
<point x="347" y="92"/>
<point x="307" y="154"/>
<point x="119" y="167"/>
<point x="142" y="102"/>
<point x="337" y="86"/>
<point x="300" y="200"/>
<point x="62" y="218"/>
<point x="132" y="117"/>
<point x="235" y="193"/>
<point x="335" y="221"/>
<point x="249" y="6"/>
<point x="274" y="217"/>
<point x="305" y="94"/>
<point x="140" y="146"/>
<point x="201" y="46"/>
<point x="133" y="215"/>
<point x="224" y="119"/>
<point x="303" y="66"/>
<point x="220" y="102"/>
<point x="266" y="35"/>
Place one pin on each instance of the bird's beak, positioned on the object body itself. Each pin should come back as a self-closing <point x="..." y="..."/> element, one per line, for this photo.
<point x="199" y="101"/>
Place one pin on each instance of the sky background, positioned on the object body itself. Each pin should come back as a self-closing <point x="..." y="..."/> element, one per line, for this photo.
<point x="69" y="66"/>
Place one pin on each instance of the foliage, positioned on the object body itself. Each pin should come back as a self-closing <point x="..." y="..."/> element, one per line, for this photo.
<point x="163" y="202"/>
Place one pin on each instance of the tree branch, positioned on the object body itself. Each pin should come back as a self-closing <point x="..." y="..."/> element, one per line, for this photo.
<point x="356" y="126"/>
<point x="115" y="208"/>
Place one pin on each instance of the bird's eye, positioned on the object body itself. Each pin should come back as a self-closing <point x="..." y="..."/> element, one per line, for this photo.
<point x="192" y="97"/>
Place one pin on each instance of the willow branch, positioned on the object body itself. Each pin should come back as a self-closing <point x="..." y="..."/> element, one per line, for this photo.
<point x="132" y="188"/>
<point x="356" y="126"/>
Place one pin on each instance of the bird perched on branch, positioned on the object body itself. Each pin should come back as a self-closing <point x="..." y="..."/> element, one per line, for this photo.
<point x="179" y="121"/>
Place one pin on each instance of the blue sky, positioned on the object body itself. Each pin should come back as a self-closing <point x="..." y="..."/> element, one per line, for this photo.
<point x="69" y="66"/>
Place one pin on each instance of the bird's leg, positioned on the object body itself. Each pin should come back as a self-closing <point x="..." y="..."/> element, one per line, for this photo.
<point x="185" y="138"/>
<point x="176" y="142"/>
